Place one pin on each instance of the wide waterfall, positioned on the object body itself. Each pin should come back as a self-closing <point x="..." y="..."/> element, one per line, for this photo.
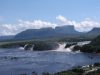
<point x="63" y="49"/>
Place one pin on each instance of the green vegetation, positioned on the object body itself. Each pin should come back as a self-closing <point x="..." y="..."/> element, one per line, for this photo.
<point x="96" y="41"/>
<point x="90" y="49"/>
<point x="76" y="71"/>
<point x="73" y="39"/>
<point x="93" y="47"/>
<point x="46" y="73"/>
<point x="45" y="46"/>
<point x="76" y="47"/>
<point x="70" y="44"/>
<point x="97" y="64"/>
<point x="38" y="45"/>
<point x="87" y="48"/>
<point x="94" y="72"/>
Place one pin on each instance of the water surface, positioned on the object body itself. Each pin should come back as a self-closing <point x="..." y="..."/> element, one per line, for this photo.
<point x="17" y="61"/>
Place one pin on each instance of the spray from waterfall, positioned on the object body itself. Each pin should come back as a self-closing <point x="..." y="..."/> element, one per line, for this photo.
<point x="70" y="48"/>
<point x="63" y="49"/>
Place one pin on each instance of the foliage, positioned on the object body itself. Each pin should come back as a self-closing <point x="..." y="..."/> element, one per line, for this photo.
<point x="75" y="71"/>
<point x="97" y="64"/>
<point x="76" y="47"/>
<point x="96" y="41"/>
<point x="45" y="46"/>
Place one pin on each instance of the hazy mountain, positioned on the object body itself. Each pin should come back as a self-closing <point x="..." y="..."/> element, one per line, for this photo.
<point x="58" y="32"/>
<point x="66" y="30"/>
<point x="61" y="31"/>
<point x="94" y="31"/>
<point x="6" y="37"/>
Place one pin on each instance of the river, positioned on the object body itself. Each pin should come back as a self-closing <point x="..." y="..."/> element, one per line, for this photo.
<point x="17" y="61"/>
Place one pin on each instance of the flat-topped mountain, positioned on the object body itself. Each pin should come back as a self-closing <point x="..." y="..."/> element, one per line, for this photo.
<point x="60" y="31"/>
<point x="66" y="29"/>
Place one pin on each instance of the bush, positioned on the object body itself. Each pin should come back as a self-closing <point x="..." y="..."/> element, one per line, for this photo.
<point x="45" y="73"/>
<point x="45" y="46"/>
<point x="97" y="64"/>
<point x="76" y="47"/>
<point x="96" y="41"/>
<point x="70" y="44"/>
<point x="78" y="70"/>
<point x="88" y="49"/>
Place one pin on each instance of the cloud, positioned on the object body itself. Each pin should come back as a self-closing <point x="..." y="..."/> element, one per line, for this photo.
<point x="83" y="26"/>
<point x="11" y="29"/>
<point x="86" y="25"/>
<point x="63" y="20"/>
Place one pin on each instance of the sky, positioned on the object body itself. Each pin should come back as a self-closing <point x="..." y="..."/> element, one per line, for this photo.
<point x="19" y="15"/>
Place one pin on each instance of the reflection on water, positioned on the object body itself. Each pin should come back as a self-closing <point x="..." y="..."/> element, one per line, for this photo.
<point x="16" y="61"/>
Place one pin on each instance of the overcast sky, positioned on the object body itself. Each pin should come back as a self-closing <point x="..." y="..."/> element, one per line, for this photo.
<point x="19" y="15"/>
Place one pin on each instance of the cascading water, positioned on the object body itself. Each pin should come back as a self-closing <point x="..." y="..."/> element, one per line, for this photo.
<point x="28" y="47"/>
<point x="63" y="49"/>
<point x="69" y="49"/>
<point x="83" y="43"/>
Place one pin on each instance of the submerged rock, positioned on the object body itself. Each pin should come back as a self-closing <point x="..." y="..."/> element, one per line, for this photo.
<point x="28" y="47"/>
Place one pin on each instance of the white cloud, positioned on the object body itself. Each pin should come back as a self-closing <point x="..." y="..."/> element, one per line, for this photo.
<point x="12" y="29"/>
<point x="86" y="25"/>
<point x="63" y="20"/>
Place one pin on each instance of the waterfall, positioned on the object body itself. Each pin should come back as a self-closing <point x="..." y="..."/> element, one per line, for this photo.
<point x="83" y="43"/>
<point x="29" y="47"/>
<point x="32" y="47"/>
<point x="69" y="49"/>
<point x="63" y="49"/>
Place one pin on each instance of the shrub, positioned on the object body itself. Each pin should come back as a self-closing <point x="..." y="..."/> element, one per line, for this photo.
<point x="45" y="73"/>
<point x="88" y="48"/>
<point x="76" y="47"/>
<point x="78" y="70"/>
<point x="97" y="64"/>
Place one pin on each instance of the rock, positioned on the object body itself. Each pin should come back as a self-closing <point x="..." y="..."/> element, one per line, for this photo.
<point x="41" y="46"/>
<point x="28" y="46"/>
<point x="76" y="48"/>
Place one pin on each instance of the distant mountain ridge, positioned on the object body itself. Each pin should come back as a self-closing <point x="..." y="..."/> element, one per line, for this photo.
<point x="6" y="37"/>
<point x="94" y="31"/>
<point x="58" y="32"/>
